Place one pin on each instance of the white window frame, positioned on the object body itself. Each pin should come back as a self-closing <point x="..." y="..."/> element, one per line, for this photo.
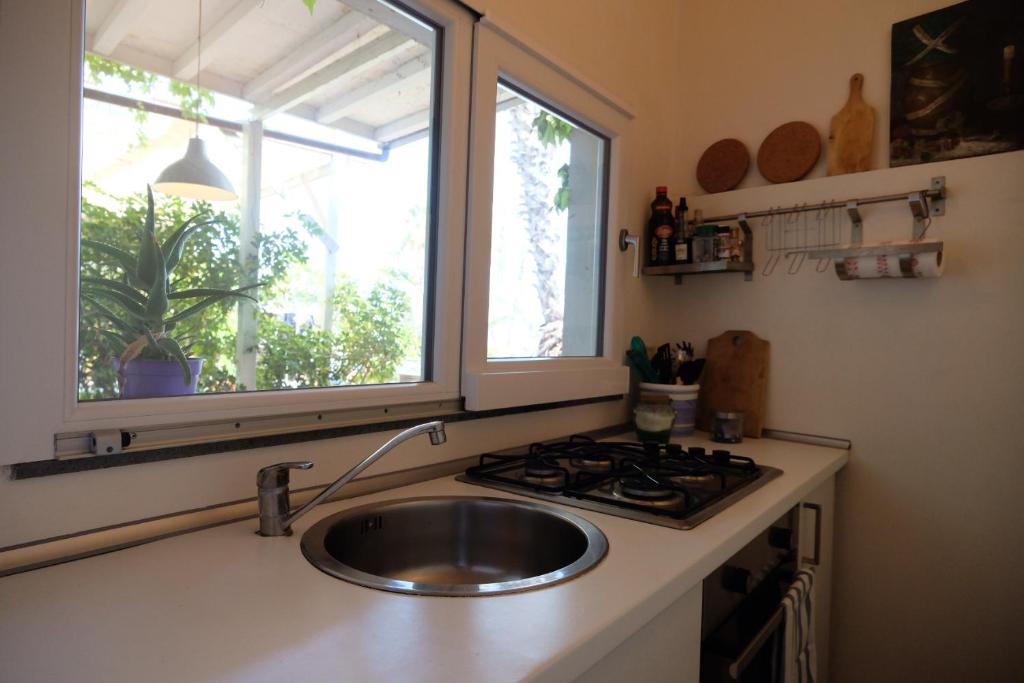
<point x="500" y="383"/>
<point x="455" y="57"/>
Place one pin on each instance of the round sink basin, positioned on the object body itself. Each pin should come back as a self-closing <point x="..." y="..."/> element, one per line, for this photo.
<point x="454" y="545"/>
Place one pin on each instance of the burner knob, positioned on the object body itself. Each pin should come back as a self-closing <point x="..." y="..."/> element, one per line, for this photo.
<point x="735" y="579"/>
<point x="696" y="452"/>
<point x="674" y="450"/>
<point x="721" y="456"/>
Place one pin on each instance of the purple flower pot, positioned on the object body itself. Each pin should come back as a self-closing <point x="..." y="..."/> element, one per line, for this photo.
<point x="150" y="377"/>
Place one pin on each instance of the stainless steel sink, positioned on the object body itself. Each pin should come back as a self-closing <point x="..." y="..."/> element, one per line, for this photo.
<point x="454" y="545"/>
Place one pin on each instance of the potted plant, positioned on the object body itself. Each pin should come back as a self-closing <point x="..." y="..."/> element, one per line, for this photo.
<point x="140" y="311"/>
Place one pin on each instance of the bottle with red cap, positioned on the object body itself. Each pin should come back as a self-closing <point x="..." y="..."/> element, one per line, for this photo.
<point x="661" y="228"/>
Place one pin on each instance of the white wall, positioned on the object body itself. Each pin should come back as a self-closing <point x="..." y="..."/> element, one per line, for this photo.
<point x="33" y="216"/>
<point x="922" y="375"/>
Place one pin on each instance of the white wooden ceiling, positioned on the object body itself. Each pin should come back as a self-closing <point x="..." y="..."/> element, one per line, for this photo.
<point x="356" y="65"/>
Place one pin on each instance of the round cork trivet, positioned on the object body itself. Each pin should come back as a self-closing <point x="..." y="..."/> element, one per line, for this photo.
<point x="723" y="165"/>
<point x="789" y="152"/>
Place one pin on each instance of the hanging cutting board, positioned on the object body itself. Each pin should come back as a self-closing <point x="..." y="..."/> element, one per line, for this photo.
<point x="735" y="379"/>
<point x="851" y="135"/>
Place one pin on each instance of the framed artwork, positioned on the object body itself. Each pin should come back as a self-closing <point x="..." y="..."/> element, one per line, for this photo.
<point x="958" y="83"/>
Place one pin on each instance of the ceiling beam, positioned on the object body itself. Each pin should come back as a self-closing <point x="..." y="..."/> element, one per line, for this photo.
<point x="406" y="125"/>
<point x="391" y="17"/>
<point x="342" y="36"/>
<point x="317" y="82"/>
<point x="338" y="108"/>
<point x="116" y="25"/>
<point x="213" y="39"/>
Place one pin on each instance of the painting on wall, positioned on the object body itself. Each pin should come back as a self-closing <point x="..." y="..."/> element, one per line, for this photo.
<point x="958" y="83"/>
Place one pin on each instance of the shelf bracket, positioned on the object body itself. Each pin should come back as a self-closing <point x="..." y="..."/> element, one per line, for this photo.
<point x="856" y="222"/>
<point x="748" y="244"/>
<point x="938" y="201"/>
<point x="919" y="209"/>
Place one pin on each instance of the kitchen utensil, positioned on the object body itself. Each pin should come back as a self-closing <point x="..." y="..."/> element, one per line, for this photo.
<point x="637" y="355"/>
<point x="852" y="132"/>
<point x="723" y="165"/>
<point x="689" y="371"/>
<point x="789" y="152"/>
<point x="735" y="380"/>
<point x="727" y="427"/>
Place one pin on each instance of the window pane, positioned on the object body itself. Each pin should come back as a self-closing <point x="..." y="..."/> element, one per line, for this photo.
<point x="547" y="233"/>
<point x="320" y="120"/>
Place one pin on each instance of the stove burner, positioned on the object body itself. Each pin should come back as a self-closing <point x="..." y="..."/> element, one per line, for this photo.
<point x="592" y="462"/>
<point x="542" y="474"/>
<point x="643" y="488"/>
<point x="687" y="474"/>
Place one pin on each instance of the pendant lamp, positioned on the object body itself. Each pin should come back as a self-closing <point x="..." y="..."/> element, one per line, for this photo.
<point x="194" y="176"/>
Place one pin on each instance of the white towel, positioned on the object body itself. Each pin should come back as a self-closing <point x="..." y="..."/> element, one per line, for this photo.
<point x="799" y="654"/>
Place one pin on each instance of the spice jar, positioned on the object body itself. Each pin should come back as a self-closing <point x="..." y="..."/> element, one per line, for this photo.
<point x="705" y="244"/>
<point x="727" y="427"/>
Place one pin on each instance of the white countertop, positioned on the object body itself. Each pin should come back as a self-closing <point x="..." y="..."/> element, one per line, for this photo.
<point x="225" y="605"/>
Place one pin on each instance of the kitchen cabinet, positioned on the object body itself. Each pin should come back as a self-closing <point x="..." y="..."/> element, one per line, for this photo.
<point x="817" y="518"/>
<point x="665" y="649"/>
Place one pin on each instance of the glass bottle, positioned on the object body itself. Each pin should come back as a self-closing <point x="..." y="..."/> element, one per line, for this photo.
<point x="661" y="228"/>
<point x="681" y="240"/>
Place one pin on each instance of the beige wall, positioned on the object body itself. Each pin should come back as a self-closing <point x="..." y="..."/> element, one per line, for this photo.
<point x="923" y="376"/>
<point x="46" y="507"/>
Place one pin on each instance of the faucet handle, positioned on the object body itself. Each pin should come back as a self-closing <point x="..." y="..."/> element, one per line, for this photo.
<point x="275" y="476"/>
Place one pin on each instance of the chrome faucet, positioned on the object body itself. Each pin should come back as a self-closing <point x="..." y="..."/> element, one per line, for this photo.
<point x="276" y="517"/>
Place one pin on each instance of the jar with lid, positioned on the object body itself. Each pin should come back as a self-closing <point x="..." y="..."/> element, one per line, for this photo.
<point x="723" y="242"/>
<point x="705" y="244"/>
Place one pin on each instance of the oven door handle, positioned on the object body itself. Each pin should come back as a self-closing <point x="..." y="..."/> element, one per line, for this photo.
<point x="737" y="667"/>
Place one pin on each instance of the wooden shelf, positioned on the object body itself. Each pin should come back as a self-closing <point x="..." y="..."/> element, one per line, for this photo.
<point x="701" y="268"/>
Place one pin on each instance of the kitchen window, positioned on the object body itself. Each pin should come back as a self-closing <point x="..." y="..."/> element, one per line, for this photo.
<point x="345" y="134"/>
<point x="543" y="157"/>
<point x="329" y="264"/>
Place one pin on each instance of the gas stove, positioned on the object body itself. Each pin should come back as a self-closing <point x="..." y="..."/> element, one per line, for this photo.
<point x="662" y="484"/>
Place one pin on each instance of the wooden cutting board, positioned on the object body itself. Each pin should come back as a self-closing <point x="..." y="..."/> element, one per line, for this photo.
<point x="735" y="379"/>
<point x="789" y="152"/>
<point x="851" y="135"/>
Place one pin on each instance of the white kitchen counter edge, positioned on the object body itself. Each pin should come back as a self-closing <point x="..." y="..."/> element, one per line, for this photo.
<point x="650" y="567"/>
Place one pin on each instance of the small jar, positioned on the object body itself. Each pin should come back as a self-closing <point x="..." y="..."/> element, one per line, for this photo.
<point x="705" y="244"/>
<point x="727" y="427"/>
<point x="724" y="242"/>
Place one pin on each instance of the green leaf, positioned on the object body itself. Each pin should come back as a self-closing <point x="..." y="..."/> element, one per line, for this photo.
<point x="116" y="341"/>
<point x="148" y="261"/>
<point x="203" y="305"/>
<point x="206" y="291"/>
<point x="174" y="244"/>
<point x="133" y="307"/>
<point x="158" y="303"/>
<point x="172" y="348"/>
<point x="120" y="323"/>
<point x="115" y="285"/>
<point x="124" y="259"/>
<point x="310" y="4"/>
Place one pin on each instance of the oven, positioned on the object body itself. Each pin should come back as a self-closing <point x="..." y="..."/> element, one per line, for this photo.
<point x="740" y="634"/>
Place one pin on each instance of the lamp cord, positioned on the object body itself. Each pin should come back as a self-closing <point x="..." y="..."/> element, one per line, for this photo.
<point x="199" y="62"/>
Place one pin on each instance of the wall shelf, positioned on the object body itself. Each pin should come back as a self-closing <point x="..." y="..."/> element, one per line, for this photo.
<point x="679" y="270"/>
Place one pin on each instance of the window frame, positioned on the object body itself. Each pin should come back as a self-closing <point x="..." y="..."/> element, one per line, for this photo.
<point x="500" y="383"/>
<point x="446" y="234"/>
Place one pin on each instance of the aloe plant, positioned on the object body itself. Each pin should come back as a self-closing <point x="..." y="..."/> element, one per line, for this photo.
<point x="141" y="309"/>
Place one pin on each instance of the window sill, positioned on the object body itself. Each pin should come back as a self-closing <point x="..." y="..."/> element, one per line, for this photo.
<point x="54" y="466"/>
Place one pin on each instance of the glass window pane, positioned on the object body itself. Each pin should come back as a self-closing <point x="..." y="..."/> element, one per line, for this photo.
<point x="316" y="274"/>
<point x="547" y="233"/>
